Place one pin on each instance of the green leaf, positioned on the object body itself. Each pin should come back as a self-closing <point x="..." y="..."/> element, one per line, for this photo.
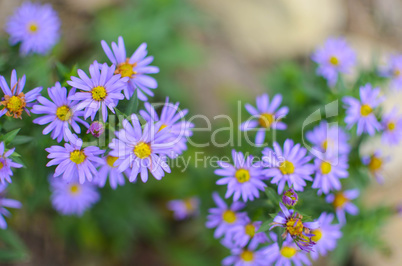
<point x="13" y="249"/>
<point x="272" y="195"/>
<point x="265" y="225"/>
<point x="18" y="140"/>
<point x="7" y="138"/>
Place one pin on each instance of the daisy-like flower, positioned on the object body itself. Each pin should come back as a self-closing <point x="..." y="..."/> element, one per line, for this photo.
<point x="172" y="118"/>
<point x="265" y="117"/>
<point x="142" y="149"/>
<point x="328" y="138"/>
<point x="35" y="26"/>
<point x="71" y="197"/>
<point x="342" y="203"/>
<point x="60" y="113"/>
<point x="183" y="209"/>
<point x="286" y="255"/>
<point x="328" y="173"/>
<point x="224" y="217"/>
<point x="6" y="203"/>
<point x="361" y="112"/>
<point x="245" y="257"/>
<point x="298" y="230"/>
<point x="73" y="160"/>
<point x="392" y="127"/>
<point x="290" y="198"/>
<point x="246" y="233"/>
<point x="326" y="236"/>
<point x="244" y="179"/>
<point x="136" y="68"/>
<point x="6" y="164"/>
<point x="96" y="129"/>
<point x="288" y="165"/>
<point x="15" y="101"/>
<point x="101" y="91"/>
<point x="109" y="170"/>
<point x="393" y="70"/>
<point x="333" y="58"/>
<point x="375" y="163"/>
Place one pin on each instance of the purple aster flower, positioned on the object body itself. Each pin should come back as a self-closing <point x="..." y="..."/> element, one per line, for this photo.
<point x="393" y="70"/>
<point x="101" y="91"/>
<point x="142" y="149"/>
<point x="109" y="169"/>
<point x="298" y="230"/>
<point x="265" y="116"/>
<point x="326" y="236"/>
<point x="71" y="197"/>
<point x="6" y="164"/>
<point x="288" y="165"/>
<point x="246" y="233"/>
<point x="328" y="173"/>
<point x="183" y="209"/>
<point x="6" y="203"/>
<point x="375" y="163"/>
<point x="136" y="68"/>
<point x="342" y="203"/>
<point x="361" y="112"/>
<point x="245" y="257"/>
<point x="60" y="113"/>
<point x="73" y="160"/>
<point x="328" y="138"/>
<point x="334" y="57"/>
<point x="244" y="179"/>
<point x="224" y="217"/>
<point x="35" y="26"/>
<point x="96" y="129"/>
<point x="14" y="100"/>
<point x="285" y="255"/>
<point x="172" y="118"/>
<point x="392" y="127"/>
<point x="290" y="198"/>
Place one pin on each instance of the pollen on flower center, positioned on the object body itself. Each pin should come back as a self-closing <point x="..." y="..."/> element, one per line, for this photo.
<point x="365" y="110"/>
<point x="162" y="127"/>
<point x="287" y="168"/>
<point x="397" y="72"/>
<point x="110" y="160"/>
<point x="63" y="113"/>
<point x="75" y="189"/>
<point x="33" y="27"/>
<point x="142" y="150"/>
<point x="126" y="69"/>
<point x="1" y="165"/>
<point x="242" y="175"/>
<point x="334" y="60"/>
<point x="15" y="104"/>
<point x="325" y="168"/>
<point x="375" y="164"/>
<point x="391" y="126"/>
<point x="229" y="216"/>
<point x="99" y="93"/>
<point x="189" y="205"/>
<point x="250" y="230"/>
<point x="247" y="255"/>
<point x="266" y="120"/>
<point x="288" y="252"/>
<point x="317" y="235"/>
<point x="294" y="226"/>
<point x="77" y="156"/>
<point x="340" y="200"/>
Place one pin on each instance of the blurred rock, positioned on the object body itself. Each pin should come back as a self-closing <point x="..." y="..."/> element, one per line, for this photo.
<point x="88" y="6"/>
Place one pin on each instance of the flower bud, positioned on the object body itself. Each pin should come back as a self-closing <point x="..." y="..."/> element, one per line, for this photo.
<point x="96" y="129"/>
<point x="289" y="198"/>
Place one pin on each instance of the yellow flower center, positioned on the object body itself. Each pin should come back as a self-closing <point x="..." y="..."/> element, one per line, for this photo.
<point x="142" y="150"/>
<point x="365" y="110"/>
<point x="247" y="255"/>
<point x="15" y="104"/>
<point x="288" y="252"/>
<point x="242" y="175"/>
<point x="229" y="216"/>
<point x="250" y="230"/>
<point x="126" y="69"/>
<point x="397" y="72"/>
<point x="1" y="165"/>
<point x="375" y="164"/>
<point x="189" y="205"/>
<point x="334" y="60"/>
<point x="162" y="127"/>
<point x="99" y="93"/>
<point x="77" y="156"/>
<point x="63" y="113"/>
<point x="290" y="195"/>
<point x="266" y="120"/>
<point x="317" y="235"/>
<point x="325" y="168"/>
<point x="294" y="226"/>
<point x="33" y="27"/>
<point x="391" y="126"/>
<point x="340" y="200"/>
<point x="287" y="168"/>
<point x="75" y="189"/>
<point x="110" y="160"/>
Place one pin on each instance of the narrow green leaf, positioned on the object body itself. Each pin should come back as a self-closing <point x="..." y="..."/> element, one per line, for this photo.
<point x="7" y="138"/>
